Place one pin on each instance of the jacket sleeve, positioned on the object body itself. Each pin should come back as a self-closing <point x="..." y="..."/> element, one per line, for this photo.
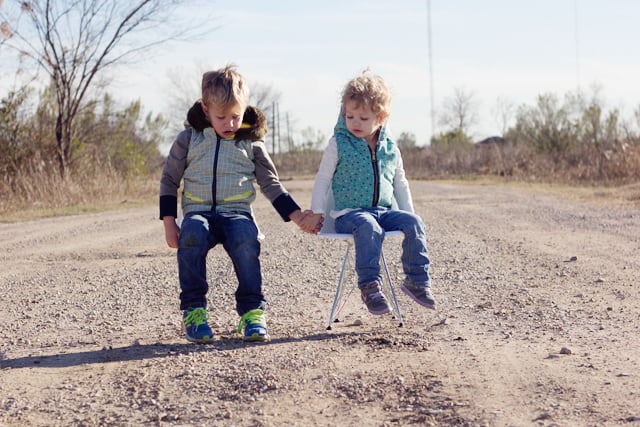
<point x="401" y="190"/>
<point x="269" y="182"/>
<point x="322" y="184"/>
<point x="172" y="174"/>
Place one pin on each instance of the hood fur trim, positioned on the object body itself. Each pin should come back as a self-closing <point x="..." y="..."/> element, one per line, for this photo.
<point x="254" y="123"/>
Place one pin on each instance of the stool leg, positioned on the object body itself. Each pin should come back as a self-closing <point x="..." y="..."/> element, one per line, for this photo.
<point x="338" y="289"/>
<point x="392" y="288"/>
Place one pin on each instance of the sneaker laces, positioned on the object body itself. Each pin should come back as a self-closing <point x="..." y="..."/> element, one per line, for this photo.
<point x="371" y="294"/>
<point x="196" y="317"/>
<point x="253" y="316"/>
<point x="374" y="296"/>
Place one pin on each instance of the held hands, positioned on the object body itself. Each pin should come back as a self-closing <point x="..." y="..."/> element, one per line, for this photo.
<point x="307" y="221"/>
<point x="311" y="223"/>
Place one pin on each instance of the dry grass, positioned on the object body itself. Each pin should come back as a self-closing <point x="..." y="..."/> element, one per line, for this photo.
<point x="47" y="194"/>
<point x="613" y="177"/>
<point x="618" y="165"/>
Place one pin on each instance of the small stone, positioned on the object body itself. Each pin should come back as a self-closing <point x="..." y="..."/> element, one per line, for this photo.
<point x="543" y="416"/>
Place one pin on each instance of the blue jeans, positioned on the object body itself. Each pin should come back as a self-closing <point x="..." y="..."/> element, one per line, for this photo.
<point x="368" y="227"/>
<point x="238" y="234"/>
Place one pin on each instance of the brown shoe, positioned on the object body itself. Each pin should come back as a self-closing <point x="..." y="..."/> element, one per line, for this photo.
<point x="374" y="299"/>
<point x="420" y="294"/>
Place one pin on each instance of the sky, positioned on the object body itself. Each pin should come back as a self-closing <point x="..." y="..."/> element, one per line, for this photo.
<point x="507" y="50"/>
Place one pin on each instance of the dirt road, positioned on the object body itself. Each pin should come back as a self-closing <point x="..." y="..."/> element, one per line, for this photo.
<point x="537" y="324"/>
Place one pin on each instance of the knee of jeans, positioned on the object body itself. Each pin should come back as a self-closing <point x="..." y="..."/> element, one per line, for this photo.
<point x="193" y="232"/>
<point x="415" y="228"/>
<point x="368" y="228"/>
<point x="190" y="239"/>
<point x="244" y="249"/>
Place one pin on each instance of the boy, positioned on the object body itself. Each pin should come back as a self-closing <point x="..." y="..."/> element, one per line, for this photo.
<point x="362" y="167"/>
<point x="218" y="159"/>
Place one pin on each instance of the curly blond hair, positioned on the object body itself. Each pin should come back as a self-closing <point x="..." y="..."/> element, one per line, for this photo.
<point x="370" y="90"/>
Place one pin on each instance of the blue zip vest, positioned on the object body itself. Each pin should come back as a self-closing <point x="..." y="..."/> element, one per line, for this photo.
<point x="363" y="179"/>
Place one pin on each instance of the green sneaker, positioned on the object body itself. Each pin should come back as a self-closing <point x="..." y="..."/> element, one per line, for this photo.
<point x="194" y="323"/>
<point x="255" y="326"/>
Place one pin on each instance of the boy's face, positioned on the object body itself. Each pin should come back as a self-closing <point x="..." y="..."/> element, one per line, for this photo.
<point x="361" y="121"/>
<point x="225" y="121"/>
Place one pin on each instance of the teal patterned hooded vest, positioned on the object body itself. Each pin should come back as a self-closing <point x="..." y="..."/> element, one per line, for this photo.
<point x="355" y="176"/>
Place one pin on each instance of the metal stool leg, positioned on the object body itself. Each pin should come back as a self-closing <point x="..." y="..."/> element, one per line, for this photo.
<point x="341" y="296"/>
<point x="337" y="298"/>
<point x="392" y="288"/>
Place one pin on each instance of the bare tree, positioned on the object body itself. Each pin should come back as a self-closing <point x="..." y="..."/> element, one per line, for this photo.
<point x="74" y="41"/>
<point x="264" y="96"/>
<point x="312" y="139"/>
<point x="407" y="141"/>
<point x="504" y="112"/>
<point x="460" y="111"/>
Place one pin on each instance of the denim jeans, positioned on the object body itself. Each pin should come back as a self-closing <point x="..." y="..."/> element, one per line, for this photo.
<point x="368" y="227"/>
<point x="238" y="234"/>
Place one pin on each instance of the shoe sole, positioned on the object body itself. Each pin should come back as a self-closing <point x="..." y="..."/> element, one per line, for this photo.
<point x="255" y="338"/>
<point x="206" y="340"/>
<point x="379" y="312"/>
<point x="413" y="297"/>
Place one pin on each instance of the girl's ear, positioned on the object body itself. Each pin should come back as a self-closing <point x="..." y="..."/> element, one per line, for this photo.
<point x="205" y="109"/>
<point x="382" y="117"/>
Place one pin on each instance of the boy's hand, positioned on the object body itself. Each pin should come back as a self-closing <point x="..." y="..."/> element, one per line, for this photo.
<point x="171" y="231"/>
<point x="296" y="216"/>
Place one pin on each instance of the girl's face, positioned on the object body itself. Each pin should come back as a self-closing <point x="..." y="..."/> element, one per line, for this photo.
<point x="225" y="121"/>
<point x="362" y="122"/>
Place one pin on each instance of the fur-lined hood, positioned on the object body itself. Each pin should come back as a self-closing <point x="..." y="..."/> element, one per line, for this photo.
<point x="254" y="123"/>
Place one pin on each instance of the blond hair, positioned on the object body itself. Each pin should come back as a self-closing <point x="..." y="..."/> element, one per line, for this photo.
<point x="369" y="90"/>
<point x="224" y="88"/>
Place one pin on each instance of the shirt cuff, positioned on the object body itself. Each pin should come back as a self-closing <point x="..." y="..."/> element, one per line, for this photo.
<point x="285" y="206"/>
<point x="168" y="206"/>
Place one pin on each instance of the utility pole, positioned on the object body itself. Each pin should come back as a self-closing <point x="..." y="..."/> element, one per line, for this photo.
<point x="289" y="141"/>
<point x="279" y="139"/>
<point x="577" y="37"/>
<point x="431" y="89"/>
<point x="273" y="129"/>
